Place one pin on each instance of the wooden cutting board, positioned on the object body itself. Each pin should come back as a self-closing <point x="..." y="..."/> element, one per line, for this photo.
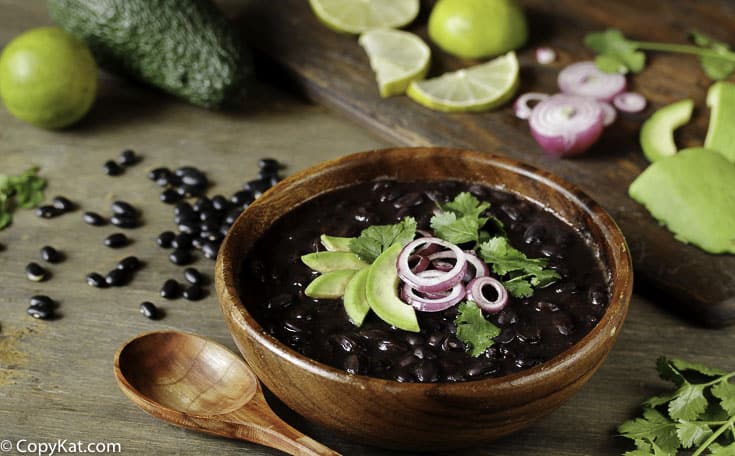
<point x="332" y="69"/>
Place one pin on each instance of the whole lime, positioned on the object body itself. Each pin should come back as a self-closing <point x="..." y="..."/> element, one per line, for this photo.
<point x="476" y="29"/>
<point x="48" y="77"/>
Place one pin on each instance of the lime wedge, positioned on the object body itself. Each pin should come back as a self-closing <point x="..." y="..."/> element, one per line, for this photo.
<point x="397" y="58"/>
<point x="478" y="88"/>
<point x="357" y="16"/>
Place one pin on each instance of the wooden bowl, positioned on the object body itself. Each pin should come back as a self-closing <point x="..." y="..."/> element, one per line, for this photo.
<point x="422" y="416"/>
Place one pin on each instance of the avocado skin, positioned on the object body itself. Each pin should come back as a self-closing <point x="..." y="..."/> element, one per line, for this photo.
<point x="185" y="47"/>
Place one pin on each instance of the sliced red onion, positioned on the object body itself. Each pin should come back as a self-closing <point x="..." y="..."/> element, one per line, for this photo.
<point x="430" y="303"/>
<point x="584" y="78"/>
<point x="545" y="55"/>
<point x="481" y="268"/>
<point x="566" y="124"/>
<point x="630" y="102"/>
<point x="521" y="108"/>
<point x="609" y="114"/>
<point x="474" y="293"/>
<point x="420" y="263"/>
<point x="444" y="281"/>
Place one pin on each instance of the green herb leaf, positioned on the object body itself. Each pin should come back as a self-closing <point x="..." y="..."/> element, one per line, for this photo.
<point x="374" y="239"/>
<point x="24" y="190"/>
<point x="519" y="287"/>
<point x="688" y="403"/>
<point x="715" y="67"/>
<point x="683" y="366"/>
<point x="525" y="273"/>
<point x="473" y="329"/>
<point x="616" y="53"/>
<point x="692" y="433"/>
<point x="461" y="220"/>
<point x="725" y="392"/>
<point x="653" y="427"/>
<point x="716" y="449"/>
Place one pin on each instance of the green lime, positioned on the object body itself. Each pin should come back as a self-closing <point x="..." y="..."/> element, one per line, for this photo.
<point x="397" y="57"/>
<point x="48" y="77"/>
<point x="357" y="16"/>
<point x="476" y="29"/>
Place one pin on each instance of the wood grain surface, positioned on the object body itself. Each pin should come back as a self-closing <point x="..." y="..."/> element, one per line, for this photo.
<point x="56" y="377"/>
<point x="333" y="69"/>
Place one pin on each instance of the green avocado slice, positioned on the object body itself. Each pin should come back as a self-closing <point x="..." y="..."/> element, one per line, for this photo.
<point x="657" y="133"/>
<point x="692" y="193"/>
<point x="333" y="261"/>
<point x="336" y="243"/>
<point x="330" y="285"/>
<point x="721" y="129"/>
<point x="382" y="292"/>
<point x="355" y="299"/>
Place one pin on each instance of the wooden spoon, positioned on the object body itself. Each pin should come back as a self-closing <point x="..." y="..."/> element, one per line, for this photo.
<point x="199" y="384"/>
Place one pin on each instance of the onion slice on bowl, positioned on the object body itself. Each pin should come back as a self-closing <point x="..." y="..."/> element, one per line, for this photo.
<point x="584" y="78"/>
<point x="566" y="124"/>
<point x="521" y="108"/>
<point x="475" y="293"/>
<point x="441" y="282"/>
<point x="630" y="102"/>
<point x="432" y="302"/>
<point x="609" y="114"/>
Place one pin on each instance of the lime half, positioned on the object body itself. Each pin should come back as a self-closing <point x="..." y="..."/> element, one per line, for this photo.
<point x="357" y="16"/>
<point x="397" y="58"/>
<point x="478" y="88"/>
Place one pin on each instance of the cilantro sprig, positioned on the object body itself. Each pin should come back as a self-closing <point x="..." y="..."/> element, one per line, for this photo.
<point x="473" y="329"/>
<point x="616" y="53"/>
<point x="462" y="220"/>
<point x="376" y="238"/>
<point x="699" y="414"/>
<point x="24" y="190"/>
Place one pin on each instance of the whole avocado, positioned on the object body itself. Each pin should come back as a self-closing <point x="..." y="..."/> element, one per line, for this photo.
<point x="184" y="47"/>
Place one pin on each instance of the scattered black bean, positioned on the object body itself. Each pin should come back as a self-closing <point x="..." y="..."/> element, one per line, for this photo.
<point x="170" y="289"/>
<point x="193" y="276"/>
<point x="127" y="157"/>
<point x="220" y="203"/>
<point x="258" y="186"/>
<point x="130" y="264"/>
<point x="117" y="278"/>
<point x="111" y="168"/>
<point x="124" y="208"/>
<point x="63" y="203"/>
<point x="180" y="257"/>
<point x="48" y="211"/>
<point x="35" y="272"/>
<point x="157" y="173"/>
<point x="124" y="221"/>
<point x="50" y="254"/>
<point x="193" y="177"/>
<point x="170" y="196"/>
<point x="210" y="249"/>
<point x="270" y="164"/>
<point x="149" y="310"/>
<point x="94" y="219"/>
<point x="42" y="301"/>
<point x="116" y="240"/>
<point x="41" y="307"/>
<point x="182" y="241"/>
<point x="165" y="239"/>
<point x="96" y="280"/>
<point x="242" y="198"/>
<point x="187" y="191"/>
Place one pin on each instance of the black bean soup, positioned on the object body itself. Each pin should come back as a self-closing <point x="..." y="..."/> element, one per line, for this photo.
<point x="534" y="329"/>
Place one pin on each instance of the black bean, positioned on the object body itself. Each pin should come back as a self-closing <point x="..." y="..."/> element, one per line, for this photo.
<point x="193" y="178"/>
<point x="170" y="196"/>
<point x="165" y="239"/>
<point x="42" y="302"/>
<point x="193" y="276"/>
<point x="94" y="219"/>
<point x="534" y="234"/>
<point x="210" y="249"/>
<point x="120" y="207"/>
<point x="35" y="272"/>
<point x="188" y="226"/>
<point x="232" y="216"/>
<point x="131" y="263"/>
<point x="111" y="168"/>
<point x="124" y="221"/>
<point x="127" y="157"/>
<point x="51" y="255"/>
<point x="426" y="371"/>
<point x="202" y="204"/>
<point x="63" y="203"/>
<point x="170" y="289"/>
<point x="258" y="186"/>
<point x="242" y="198"/>
<point x="209" y="215"/>
<point x="96" y="280"/>
<point x="116" y="240"/>
<point x="270" y="164"/>
<point x="220" y="203"/>
<point x="193" y="293"/>
<point x="48" y="211"/>
<point x="180" y="257"/>
<point x="547" y="306"/>
<point x="149" y="310"/>
<point x="563" y="323"/>
<point x="598" y="296"/>
<point x="40" y="313"/>
<point x="187" y="191"/>
<point x="117" y="278"/>
<point x="408" y="200"/>
<point x="185" y="170"/>
<point x="197" y="242"/>
<point x="209" y="227"/>
<point x="182" y="241"/>
<point x="352" y="364"/>
<point x="158" y="173"/>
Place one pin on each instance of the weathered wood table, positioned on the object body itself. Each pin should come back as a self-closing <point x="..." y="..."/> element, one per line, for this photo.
<point x="56" y="380"/>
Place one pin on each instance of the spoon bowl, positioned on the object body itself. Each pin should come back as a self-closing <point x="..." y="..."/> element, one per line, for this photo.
<point x="199" y="384"/>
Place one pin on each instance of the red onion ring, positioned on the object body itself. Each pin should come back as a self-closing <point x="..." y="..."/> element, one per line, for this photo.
<point x="481" y="268"/>
<point x="422" y="262"/>
<point x="609" y="114"/>
<point x="474" y="293"/>
<point x="433" y="302"/>
<point x="521" y="108"/>
<point x="444" y="281"/>
<point x="584" y="78"/>
<point x="630" y="102"/>
<point x="566" y="124"/>
<point x="545" y="55"/>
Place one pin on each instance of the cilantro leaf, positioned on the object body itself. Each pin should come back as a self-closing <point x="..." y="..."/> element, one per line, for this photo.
<point x="692" y="433"/>
<point x="725" y="392"/>
<point x="466" y="204"/>
<point x="24" y="190"/>
<point x="616" y="53"/>
<point x="715" y="67"/>
<point x="374" y="239"/>
<point x="688" y="403"/>
<point x="461" y="220"/>
<point x="519" y="287"/>
<point x="525" y="273"/>
<point x="473" y="329"/>
<point x="716" y="449"/>
<point x="683" y="366"/>
<point x="653" y="427"/>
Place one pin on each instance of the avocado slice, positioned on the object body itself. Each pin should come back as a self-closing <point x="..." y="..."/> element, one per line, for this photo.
<point x="355" y="299"/>
<point x="336" y="243"/>
<point x="693" y="195"/>
<point x="381" y="290"/>
<point x="657" y="133"/>
<point x="187" y="48"/>
<point x="333" y="261"/>
<point x="721" y="130"/>
<point x="330" y="285"/>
